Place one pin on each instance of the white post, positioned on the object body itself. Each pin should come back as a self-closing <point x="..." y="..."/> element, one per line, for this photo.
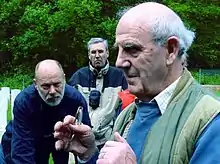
<point x="3" y="111"/>
<point x="6" y="92"/>
<point x="14" y="93"/>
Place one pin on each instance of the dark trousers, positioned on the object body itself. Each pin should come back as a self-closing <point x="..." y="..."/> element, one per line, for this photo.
<point x="100" y="146"/>
<point x="2" y="158"/>
<point x="43" y="150"/>
<point x="43" y="153"/>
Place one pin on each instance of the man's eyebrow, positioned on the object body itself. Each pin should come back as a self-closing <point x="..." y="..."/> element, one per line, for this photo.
<point x="131" y="44"/>
<point x="45" y="84"/>
<point x="51" y="83"/>
<point x="128" y="44"/>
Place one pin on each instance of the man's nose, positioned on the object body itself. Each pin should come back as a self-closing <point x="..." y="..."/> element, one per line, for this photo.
<point x="118" y="62"/>
<point x="97" y="55"/>
<point x="121" y="61"/>
<point x="52" y="90"/>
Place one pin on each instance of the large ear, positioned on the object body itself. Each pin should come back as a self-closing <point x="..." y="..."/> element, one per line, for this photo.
<point x="35" y="83"/>
<point x="173" y="49"/>
<point x="107" y="53"/>
<point x="64" y="75"/>
<point x="89" y="56"/>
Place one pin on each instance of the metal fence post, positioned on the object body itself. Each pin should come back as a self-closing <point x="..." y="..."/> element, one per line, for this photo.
<point x="200" y="75"/>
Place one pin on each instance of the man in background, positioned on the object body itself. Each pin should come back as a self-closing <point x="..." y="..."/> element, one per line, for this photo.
<point x="100" y="83"/>
<point x="29" y="136"/>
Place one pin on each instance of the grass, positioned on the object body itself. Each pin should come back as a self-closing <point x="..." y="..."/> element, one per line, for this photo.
<point x="207" y="79"/>
<point x="9" y="112"/>
<point x="218" y="94"/>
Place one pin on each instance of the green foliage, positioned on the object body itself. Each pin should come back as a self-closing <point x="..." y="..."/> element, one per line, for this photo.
<point x="9" y="112"/>
<point x="204" y="17"/>
<point x="59" y="29"/>
<point x="33" y="30"/>
<point x="18" y="79"/>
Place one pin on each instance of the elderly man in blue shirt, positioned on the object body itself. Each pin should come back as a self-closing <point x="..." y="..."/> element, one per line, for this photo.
<point x="174" y="119"/>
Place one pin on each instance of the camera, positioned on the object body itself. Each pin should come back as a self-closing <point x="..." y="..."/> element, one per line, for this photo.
<point x="94" y="99"/>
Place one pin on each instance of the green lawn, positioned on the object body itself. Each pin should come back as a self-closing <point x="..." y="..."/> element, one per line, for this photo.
<point x="218" y="94"/>
<point x="9" y="117"/>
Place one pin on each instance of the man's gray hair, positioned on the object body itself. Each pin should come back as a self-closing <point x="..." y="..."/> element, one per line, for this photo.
<point x="97" y="40"/>
<point x="122" y="11"/>
<point x="162" y="27"/>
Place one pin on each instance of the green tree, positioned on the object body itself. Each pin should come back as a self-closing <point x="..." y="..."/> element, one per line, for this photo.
<point x="59" y="29"/>
<point x="32" y="30"/>
<point x="204" y="17"/>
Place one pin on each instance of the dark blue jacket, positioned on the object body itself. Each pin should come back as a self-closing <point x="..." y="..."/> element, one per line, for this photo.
<point x="30" y="134"/>
<point x="86" y="78"/>
<point x="103" y="105"/>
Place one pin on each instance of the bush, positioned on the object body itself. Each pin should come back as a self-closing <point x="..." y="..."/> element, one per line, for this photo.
<point x="19" y="78"/>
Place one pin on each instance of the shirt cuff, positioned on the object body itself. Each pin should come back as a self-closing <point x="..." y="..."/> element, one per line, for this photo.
<point x="81" y="161"/>
<point x="94" y="157"/>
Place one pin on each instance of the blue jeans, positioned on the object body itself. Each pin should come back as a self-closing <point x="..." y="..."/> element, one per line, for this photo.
<point x="2" y="158"/>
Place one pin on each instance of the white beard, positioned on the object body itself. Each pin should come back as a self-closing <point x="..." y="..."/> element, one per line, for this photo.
<point x="58" y="100"/>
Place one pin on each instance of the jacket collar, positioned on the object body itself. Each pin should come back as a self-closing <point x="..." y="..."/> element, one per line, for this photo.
<point x="100" y="73"/>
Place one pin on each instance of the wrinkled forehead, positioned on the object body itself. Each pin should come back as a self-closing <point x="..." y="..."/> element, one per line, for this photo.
<point x="50" y="80"/>
<point x="132" y="30"/>
<point x="49" y="74"/>
<point x="97" y="46"/>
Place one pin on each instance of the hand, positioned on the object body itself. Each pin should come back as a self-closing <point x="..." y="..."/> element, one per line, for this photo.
<point x="117" y="151"/>
<point x="78" y="139"/>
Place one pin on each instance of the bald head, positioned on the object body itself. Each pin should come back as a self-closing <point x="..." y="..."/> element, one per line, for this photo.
<point x="159" y="21"/>
<point x="149" y="11"/>
<point x="48" y="67"/>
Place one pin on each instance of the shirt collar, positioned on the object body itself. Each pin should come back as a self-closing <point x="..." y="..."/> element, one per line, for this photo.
<point x="163" y="97"/>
